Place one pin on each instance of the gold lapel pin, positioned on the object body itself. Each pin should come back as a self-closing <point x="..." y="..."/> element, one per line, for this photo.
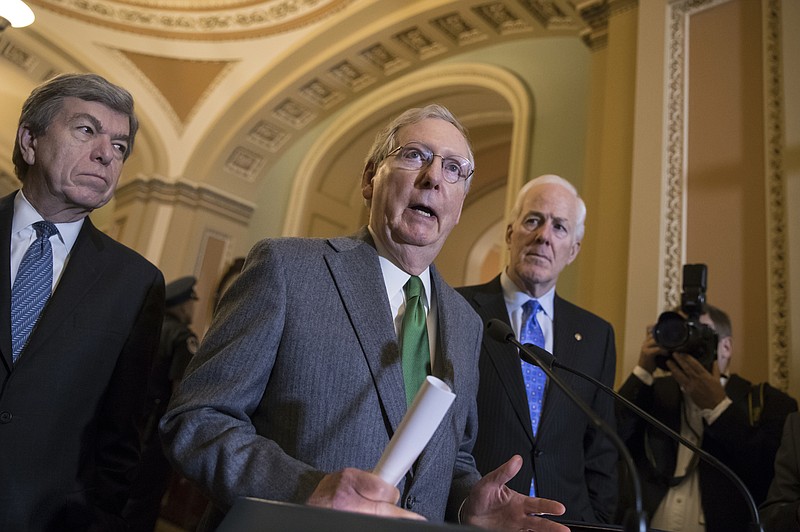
<point x="578" y="337"/>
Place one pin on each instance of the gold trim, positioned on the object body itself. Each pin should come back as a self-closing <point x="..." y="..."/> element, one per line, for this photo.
<point x="256" y="19"/>
<point x="777" y="245"/>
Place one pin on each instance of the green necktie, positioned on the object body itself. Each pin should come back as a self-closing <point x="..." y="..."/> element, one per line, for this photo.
<point x="414" y="348"/>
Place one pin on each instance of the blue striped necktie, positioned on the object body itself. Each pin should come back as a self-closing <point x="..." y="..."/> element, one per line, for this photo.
<point x="32" y="286"/>
<point x="535" y="379"/>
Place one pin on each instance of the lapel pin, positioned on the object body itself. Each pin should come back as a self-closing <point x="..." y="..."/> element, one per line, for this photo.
<point x="578" y="337"/>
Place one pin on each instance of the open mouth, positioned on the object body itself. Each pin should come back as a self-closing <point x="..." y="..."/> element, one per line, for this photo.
<point x="424" y="210"/>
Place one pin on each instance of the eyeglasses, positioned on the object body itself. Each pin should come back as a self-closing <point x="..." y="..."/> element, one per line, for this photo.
<point x="416" y="156"/>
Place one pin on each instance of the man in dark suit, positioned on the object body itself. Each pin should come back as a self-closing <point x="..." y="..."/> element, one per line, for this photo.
<point x="72" y="380"/>
<point x="780" y="512"/>
<point x="565" y="458"/>
<point x="299" y="384"/>
<point x="737" y="422"/>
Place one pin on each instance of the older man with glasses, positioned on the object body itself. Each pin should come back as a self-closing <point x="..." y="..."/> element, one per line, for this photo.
<point x="313" y="357"/>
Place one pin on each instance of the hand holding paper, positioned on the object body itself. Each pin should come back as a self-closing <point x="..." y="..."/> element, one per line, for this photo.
<point x="420" y="422"/>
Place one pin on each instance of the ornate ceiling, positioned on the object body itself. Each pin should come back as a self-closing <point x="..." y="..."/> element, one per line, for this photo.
<point x="239" y="81"/>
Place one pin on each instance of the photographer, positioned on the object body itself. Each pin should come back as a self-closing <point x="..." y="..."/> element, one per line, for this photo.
<point x="737" y="422"/>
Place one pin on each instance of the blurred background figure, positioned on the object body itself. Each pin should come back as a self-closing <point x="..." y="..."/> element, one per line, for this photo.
<point x="781" y="511"/>
<point x="227" y="279"/>
<point x="736" y="421"/>
<point x="178" y="345"/>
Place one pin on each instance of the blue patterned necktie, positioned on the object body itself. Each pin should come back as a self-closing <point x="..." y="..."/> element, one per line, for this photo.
<point x="415" y="353"/>
<point x="32" y="286"/>
<point x="533" y="376"/>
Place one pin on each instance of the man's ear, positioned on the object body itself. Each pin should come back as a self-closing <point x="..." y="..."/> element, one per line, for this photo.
<point x="576" y="247"/>
<point x="27" y="143"/>
<point x="727" y="344"/>
<point x="366" y="180"/>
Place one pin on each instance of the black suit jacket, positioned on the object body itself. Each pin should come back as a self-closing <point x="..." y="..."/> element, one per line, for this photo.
<point x="574" y="463"/>
<point x="747" y="447"/>
<point x="780" y="510"/>
<point x="69" y="407"/>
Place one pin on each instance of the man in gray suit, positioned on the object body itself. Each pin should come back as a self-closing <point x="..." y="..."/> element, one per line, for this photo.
<point x="299" y="384"/>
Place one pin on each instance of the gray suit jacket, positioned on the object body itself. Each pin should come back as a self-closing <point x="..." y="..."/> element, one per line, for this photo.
<point x="300" y="375"/>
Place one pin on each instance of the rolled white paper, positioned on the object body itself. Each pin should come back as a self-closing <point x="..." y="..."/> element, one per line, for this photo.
<point x="418" y="425"/>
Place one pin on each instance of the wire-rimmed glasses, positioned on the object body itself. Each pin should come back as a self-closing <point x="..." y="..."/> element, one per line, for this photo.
<point x="416" y="156"/>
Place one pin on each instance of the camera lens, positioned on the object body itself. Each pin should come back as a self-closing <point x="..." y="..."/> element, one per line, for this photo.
<point x="671" y="331"/>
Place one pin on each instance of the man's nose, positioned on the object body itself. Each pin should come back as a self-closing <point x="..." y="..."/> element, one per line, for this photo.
<point x="544" y="232"/>
<point x="432" y="175"/>
<point x="103" y="150"/>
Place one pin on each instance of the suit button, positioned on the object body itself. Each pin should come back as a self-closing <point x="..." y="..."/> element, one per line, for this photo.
<point x="410" y="501"/>
<point x="537" y="453"/>
<point x="5" y="417"/>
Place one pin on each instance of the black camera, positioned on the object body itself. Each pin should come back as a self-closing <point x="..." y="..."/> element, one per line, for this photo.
<point x="684" y="333"/>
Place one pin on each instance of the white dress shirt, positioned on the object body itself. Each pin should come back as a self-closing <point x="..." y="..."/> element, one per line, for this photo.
<point x="23" y="234"/>
<point x="395" y="279"/>
<point x="681" y="509"/>
<point x="516" y="298"/>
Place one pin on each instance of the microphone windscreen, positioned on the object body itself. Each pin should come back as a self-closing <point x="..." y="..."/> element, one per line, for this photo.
<point x="499" y="330"/>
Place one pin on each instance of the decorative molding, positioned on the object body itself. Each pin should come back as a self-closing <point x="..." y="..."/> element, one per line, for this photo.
<point x="420" y="44"/>
<point x="330" y="83"/>
<point x="31" y="64"/>
<point x="224" y="22"/>
<point x="321" y="94"/>
<point x="458" y="29"/>
<point x="400" y="50"/>
<point x="268" y="136"/>
<point x="777" y="240"/>
<point x="501" y="18"/>
<point x="183" y="193"/>
<point x="674" y="250"/>
<point x="384" y="59"/>
<point x="350" y="76"/>
<point x="245" y="163"/>
<point x="675" y="135"/>
<point x="596" y="14"/>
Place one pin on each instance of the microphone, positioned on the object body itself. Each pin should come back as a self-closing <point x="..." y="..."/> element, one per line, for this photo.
<point x="501" y="332"/>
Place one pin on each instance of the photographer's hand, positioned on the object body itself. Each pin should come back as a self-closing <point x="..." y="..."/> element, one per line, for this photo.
<point x="703" y="387"/>
<point x="650" y="350"/>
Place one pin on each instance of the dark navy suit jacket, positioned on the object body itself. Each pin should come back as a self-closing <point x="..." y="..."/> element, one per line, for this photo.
<point x="69" y="406"/>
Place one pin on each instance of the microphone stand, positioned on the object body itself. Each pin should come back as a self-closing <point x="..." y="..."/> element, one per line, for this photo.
<point x="755" y="525"/>
<point x="632" y="522"/>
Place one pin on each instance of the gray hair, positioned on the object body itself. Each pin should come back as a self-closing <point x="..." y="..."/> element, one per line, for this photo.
<point x="722" y="323"/>
<point x="47" y="100"/>
<point x="580" y="226"/>
<point x="386" y="140"/>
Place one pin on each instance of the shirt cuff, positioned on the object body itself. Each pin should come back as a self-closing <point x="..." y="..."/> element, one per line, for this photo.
<point x="711" y="414"/>
<point x="643" y="375"/>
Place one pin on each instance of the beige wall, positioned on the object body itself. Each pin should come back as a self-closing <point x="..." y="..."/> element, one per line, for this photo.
<point x="726" y="209"/>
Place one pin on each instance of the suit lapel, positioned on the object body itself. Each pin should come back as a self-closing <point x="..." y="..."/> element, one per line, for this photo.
<point x="449" y="363"/>
<point x="504" y="358"/>
<point x="357" y="274"/>
<point x="6" y="216"/>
